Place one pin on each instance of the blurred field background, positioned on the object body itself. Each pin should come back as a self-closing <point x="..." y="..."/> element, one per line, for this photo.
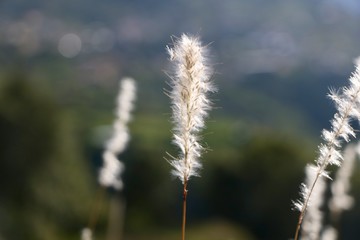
<point x="60" y="64"/>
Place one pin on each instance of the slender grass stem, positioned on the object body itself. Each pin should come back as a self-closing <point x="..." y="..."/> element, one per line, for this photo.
<point x="302" y="213"/>
<point x="184" y="210"/>
<point x="96" y="208"/>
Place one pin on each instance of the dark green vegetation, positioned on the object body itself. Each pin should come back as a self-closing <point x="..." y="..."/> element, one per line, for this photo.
<point x="56" y="113"/>
<point x="251" y="172"/>
<point x="45" y="182"/>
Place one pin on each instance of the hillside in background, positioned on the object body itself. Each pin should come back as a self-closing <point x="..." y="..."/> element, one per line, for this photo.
<point x="274" y="63"/>
<point x="289" y="53"/>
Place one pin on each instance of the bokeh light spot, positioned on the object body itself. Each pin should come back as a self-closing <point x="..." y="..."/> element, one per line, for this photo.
<point x="69" y="45"/>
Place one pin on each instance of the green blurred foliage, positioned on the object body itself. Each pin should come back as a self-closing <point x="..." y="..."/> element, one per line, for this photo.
<point x="261" y="134"/>
<point x="250" y="176"/>
<point x="45" y="187"/>
<point x="208" y="230"/>
<point x="251" y="172"/>
<point x="256" y="190"/>
<point x="267" y="176"/>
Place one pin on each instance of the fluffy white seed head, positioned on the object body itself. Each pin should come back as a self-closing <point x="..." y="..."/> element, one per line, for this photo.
<point x="347" y="102"/>
<point x="117" y="143"/>
<point x="125" y="100"/>
<point x="109" y="174"/>
<point x="190" y="104"/>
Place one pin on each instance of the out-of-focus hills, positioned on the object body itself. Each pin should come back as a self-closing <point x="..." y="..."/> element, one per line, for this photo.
<point x="60" y="66"/>
<point x="274" y="60"/>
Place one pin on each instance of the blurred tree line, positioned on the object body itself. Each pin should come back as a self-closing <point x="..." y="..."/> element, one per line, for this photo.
<point x="250" y="182"/>
<point x="45" y="185"/>
<point x="48" y="175"/>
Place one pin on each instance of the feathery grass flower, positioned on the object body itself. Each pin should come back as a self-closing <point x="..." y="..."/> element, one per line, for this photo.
<point x="347" y="102"/>
<point x="109" y="175"/>
<point x="190" y="105"/>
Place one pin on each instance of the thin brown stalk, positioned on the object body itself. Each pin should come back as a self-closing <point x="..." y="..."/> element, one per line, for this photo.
<point x="331" y="147"/>
<point x="96" y="208"/>
<point x="184" y="210"/>
<point x="302" y="213"/>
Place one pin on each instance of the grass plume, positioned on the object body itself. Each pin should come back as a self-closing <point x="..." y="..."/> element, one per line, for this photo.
<point x="110" y="172"/>
<point x="347" y="102"/>
<point x="109" y="175"/>
<point x="190" y="105"/>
